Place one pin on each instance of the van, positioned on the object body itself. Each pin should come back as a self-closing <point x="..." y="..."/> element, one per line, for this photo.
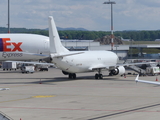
<point x="28" y="69"/>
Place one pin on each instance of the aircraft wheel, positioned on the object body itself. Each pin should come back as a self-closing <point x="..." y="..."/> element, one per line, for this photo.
<point x="100" y="76"/>
<point x="110" y="74"/>
<point x="96" y="76"/>
<point x="74" y="76"/>
<point x="70" y="76"/>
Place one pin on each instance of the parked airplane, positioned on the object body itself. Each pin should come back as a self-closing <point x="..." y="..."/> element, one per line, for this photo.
<point x="144" y="81"/>
<point x="23" y="47"/>
<point x="85" y="61"/>
<point x="71" y="62"/>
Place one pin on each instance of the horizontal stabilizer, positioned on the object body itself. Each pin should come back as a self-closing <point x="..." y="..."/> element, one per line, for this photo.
<point x="144" y="81"/>
<point x="65" y="54"/>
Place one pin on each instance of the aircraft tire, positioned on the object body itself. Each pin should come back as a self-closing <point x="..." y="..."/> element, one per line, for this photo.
<point x="72" y="76"/>
<point x="96" y="76"/>
<point x="100" y="76"/>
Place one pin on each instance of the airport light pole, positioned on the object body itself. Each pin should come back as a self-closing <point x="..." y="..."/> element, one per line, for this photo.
<point x="131" y="47"/>
<point x="116" y="47"/>
<point x="112" y="36"/>
<point x="8" y="16"/>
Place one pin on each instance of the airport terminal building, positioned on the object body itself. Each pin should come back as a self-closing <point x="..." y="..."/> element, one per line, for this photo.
<point x="120" y="50"/>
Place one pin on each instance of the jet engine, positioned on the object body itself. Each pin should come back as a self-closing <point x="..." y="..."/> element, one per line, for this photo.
<point x="118" y="71"/>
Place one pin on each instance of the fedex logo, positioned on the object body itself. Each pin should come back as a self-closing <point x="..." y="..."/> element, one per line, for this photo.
<point x="6" y="45"/>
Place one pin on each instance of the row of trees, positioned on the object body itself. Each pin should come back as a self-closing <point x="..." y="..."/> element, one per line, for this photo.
<point x="91" y="35"/>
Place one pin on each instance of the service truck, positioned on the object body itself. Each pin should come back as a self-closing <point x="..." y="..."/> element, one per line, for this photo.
<point x="152" y="70"/>
<point x="28" y="69"/>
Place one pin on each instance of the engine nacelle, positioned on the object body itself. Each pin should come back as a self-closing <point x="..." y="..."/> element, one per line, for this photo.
<point x="118" y="71"/>
<point x="65" y="73"/>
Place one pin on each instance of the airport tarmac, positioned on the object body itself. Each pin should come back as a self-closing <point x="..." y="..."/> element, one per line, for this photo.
<point x="52" y="96"/>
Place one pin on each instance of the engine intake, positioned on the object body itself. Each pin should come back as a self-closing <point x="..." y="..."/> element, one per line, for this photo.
<point x="118" y="71"/>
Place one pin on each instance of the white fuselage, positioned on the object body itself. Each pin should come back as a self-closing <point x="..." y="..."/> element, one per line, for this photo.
<point x="13" y="46"/>
<point x="82" y="62"/>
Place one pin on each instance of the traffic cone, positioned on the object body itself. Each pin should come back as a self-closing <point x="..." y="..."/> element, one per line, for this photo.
<point x="40" y="82"/>
<point x="124" y="75"/>
<point x="156" y="79"/>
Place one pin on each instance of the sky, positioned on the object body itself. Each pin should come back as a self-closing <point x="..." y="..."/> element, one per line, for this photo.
<point x="88" y="14"/>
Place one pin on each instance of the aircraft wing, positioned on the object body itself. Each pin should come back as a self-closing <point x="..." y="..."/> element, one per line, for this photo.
<point x="65" y="54"/>
<point x="111" y="67"/>
<point x="100" y="66"/>
<point x="34" y="54"/>
<point x="34" y="63"/>
<point x="41" y="56"/>
<point x="144" y="81"/>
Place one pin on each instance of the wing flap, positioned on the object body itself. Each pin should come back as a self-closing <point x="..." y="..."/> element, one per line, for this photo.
<point x="100" y="66"/>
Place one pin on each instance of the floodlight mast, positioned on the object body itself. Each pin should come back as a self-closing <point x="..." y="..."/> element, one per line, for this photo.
<point x="8" y="16"/>
<point x="112" y="35"/>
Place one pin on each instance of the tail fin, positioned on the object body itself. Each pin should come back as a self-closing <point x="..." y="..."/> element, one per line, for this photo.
<point x="55" y="43"/>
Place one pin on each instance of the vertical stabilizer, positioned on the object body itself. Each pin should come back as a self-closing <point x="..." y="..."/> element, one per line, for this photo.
<point x="55" y="43"/>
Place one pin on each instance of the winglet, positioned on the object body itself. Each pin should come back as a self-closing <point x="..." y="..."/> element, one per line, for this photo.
<point x="137" y="78"/>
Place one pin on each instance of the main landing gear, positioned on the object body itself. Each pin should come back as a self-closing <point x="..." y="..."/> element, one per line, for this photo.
<point x="99" y="74"/>
<point x="72" y="76"/>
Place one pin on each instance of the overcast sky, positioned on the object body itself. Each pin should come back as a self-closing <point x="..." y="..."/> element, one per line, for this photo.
<point x="88" y="14"/>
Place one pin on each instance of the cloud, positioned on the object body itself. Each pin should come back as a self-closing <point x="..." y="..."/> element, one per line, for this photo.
<point x="89" y="14"/>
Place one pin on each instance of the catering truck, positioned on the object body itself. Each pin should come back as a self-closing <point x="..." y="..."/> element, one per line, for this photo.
<point x="152" y="70"/>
